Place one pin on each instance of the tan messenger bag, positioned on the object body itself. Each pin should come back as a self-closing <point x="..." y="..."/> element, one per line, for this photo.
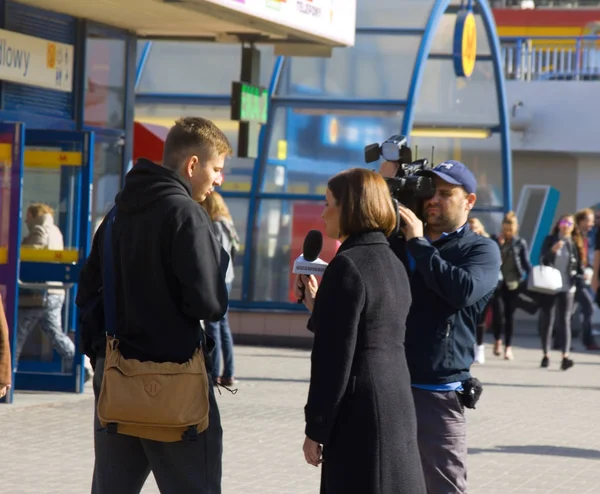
<point x="164" y="402"/>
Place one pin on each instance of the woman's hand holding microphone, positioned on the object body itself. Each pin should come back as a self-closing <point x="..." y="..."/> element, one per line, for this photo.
<point x="306" y="290"/>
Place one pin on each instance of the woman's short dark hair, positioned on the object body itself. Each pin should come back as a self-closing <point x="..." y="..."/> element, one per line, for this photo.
<point x="364" y="201"/>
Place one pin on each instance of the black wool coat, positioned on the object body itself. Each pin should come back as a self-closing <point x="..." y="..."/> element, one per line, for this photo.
<point x="360" y="404"/>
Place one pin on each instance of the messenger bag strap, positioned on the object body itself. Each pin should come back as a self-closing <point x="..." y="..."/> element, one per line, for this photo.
<point x="108" y="277"/>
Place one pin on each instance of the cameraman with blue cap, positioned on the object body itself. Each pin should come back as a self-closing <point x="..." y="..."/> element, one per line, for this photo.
<point x="453" y="274"/>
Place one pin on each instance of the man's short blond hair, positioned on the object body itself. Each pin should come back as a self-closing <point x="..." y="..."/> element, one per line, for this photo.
<point x="194" y="136"/>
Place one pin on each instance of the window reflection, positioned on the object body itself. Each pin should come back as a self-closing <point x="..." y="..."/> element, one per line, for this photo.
<point x="239" y="213"/>
<point x="281" y="227"/>
<point x="307" y="148"/>
<point x="482" y="156"/>
<point x="108" y="160"/>
<point x="105" y="83"/>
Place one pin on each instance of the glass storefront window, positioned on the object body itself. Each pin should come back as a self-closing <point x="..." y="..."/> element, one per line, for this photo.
<point x="376" y="67"/>
<point x="281" y="226"/>
<point x="482" y="156"/>
<point x="175" y="67"/>
<point x="105" y="62"/>
<point x="457" y="101"/>
<point x="108" y="161"/>
<point x="308" y="147"/>
<point x="393" y="13"/>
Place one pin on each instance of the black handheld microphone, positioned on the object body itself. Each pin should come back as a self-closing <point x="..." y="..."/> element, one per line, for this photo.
<point x="309" y="262"/>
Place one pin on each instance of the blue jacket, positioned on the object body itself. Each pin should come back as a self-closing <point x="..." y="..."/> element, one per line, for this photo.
<point x="452" y="280"/>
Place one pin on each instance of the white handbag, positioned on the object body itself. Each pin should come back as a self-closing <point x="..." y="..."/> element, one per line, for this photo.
<point x="544" y="279"/>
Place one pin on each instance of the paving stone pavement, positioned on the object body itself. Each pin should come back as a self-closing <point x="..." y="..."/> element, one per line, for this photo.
<point x="535" y="431"/>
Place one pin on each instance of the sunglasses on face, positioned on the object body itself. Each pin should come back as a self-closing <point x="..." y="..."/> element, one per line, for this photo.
<point x="566" y="223"/>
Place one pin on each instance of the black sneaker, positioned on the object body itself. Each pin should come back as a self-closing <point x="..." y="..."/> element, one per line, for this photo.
<point x="566" y="363"/>
<point x="545" y="362"/>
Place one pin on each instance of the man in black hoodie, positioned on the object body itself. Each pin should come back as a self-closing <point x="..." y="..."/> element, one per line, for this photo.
<point x="169" y="275"/>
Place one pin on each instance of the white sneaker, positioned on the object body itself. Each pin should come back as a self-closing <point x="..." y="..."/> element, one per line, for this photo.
<point x="480" y="354"/>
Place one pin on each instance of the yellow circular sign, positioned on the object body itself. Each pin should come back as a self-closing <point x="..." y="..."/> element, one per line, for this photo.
<point x="469" y="45"/>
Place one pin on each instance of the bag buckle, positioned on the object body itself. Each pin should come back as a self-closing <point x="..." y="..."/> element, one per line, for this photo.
<point x="111" y="428"/>
<point x="191" y="434"/>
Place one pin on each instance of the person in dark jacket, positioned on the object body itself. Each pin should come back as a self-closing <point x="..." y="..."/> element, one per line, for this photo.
<point x="478" y="229"/>
<point x="515" y="270"/>
<point x="584" y="296"/>
<point x="563" y="250"/>
<point x="168" y="276"/>
<point x="360" y="406"/>
<point x="453" y="274"/>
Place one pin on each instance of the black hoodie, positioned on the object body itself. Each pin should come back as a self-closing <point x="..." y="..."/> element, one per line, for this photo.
<point x="168" y="270"/>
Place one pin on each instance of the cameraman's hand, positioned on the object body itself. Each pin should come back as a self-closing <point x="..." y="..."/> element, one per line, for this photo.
<point x="414" y="226"/>
<point x="388" y="169"/>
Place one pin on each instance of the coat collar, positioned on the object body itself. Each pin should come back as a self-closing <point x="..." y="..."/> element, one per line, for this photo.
<point x="364" y="238"/>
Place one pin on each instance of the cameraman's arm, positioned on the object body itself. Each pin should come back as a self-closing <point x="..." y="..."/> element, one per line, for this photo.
<point x="461" y="284"/>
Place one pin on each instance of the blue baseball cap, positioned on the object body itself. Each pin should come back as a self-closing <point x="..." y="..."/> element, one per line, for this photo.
<point x="454" y="172"/>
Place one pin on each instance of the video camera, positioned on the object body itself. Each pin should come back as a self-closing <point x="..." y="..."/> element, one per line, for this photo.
<point x="408" y="187"/>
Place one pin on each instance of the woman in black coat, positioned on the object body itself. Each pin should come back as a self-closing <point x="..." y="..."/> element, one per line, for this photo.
<point x="360" y="406"/>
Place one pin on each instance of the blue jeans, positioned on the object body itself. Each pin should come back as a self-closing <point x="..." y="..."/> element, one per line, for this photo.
<point x="221" y="333"/>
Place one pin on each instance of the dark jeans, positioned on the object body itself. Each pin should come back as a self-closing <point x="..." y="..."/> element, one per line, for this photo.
<point x="562" y="302"/>
<point x="123" y="463"/>
<point x="442" y="436"/>
<point x="221" y="333"/>
<point x="584" y="296"/>
<point x="504" y="305"/>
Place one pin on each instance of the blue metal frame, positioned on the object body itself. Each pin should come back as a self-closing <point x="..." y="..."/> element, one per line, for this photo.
<point x="259" y="164"/>
<point x="484" y="10"/>
<point x="182" y="99"/>
<point x="490" y="27"/>
<point x="47" y="375"/>
<point x="14" y="253"/>
<point x="142" y="63"/>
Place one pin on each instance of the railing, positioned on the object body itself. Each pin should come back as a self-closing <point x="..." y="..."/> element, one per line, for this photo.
<point x="542" y="58"/>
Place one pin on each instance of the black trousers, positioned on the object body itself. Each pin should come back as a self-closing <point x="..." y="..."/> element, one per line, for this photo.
<point x="504" y="305"/>
<point x="123" y="463"/>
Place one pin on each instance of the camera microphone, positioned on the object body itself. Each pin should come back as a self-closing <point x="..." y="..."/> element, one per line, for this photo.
<point x="308" y="262"/>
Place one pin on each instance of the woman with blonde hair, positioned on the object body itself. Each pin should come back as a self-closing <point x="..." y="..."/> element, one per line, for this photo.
<point x="477" y="227"/>
<point x="514" y="271"/>
<point x="226" y="234"/>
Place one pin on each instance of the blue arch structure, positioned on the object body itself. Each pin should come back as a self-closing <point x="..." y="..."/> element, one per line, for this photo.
<point x="437" y="12"/>
<point x="408" y="105"/>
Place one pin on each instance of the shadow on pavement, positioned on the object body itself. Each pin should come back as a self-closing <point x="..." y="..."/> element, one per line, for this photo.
<point x="541" y="450"/>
